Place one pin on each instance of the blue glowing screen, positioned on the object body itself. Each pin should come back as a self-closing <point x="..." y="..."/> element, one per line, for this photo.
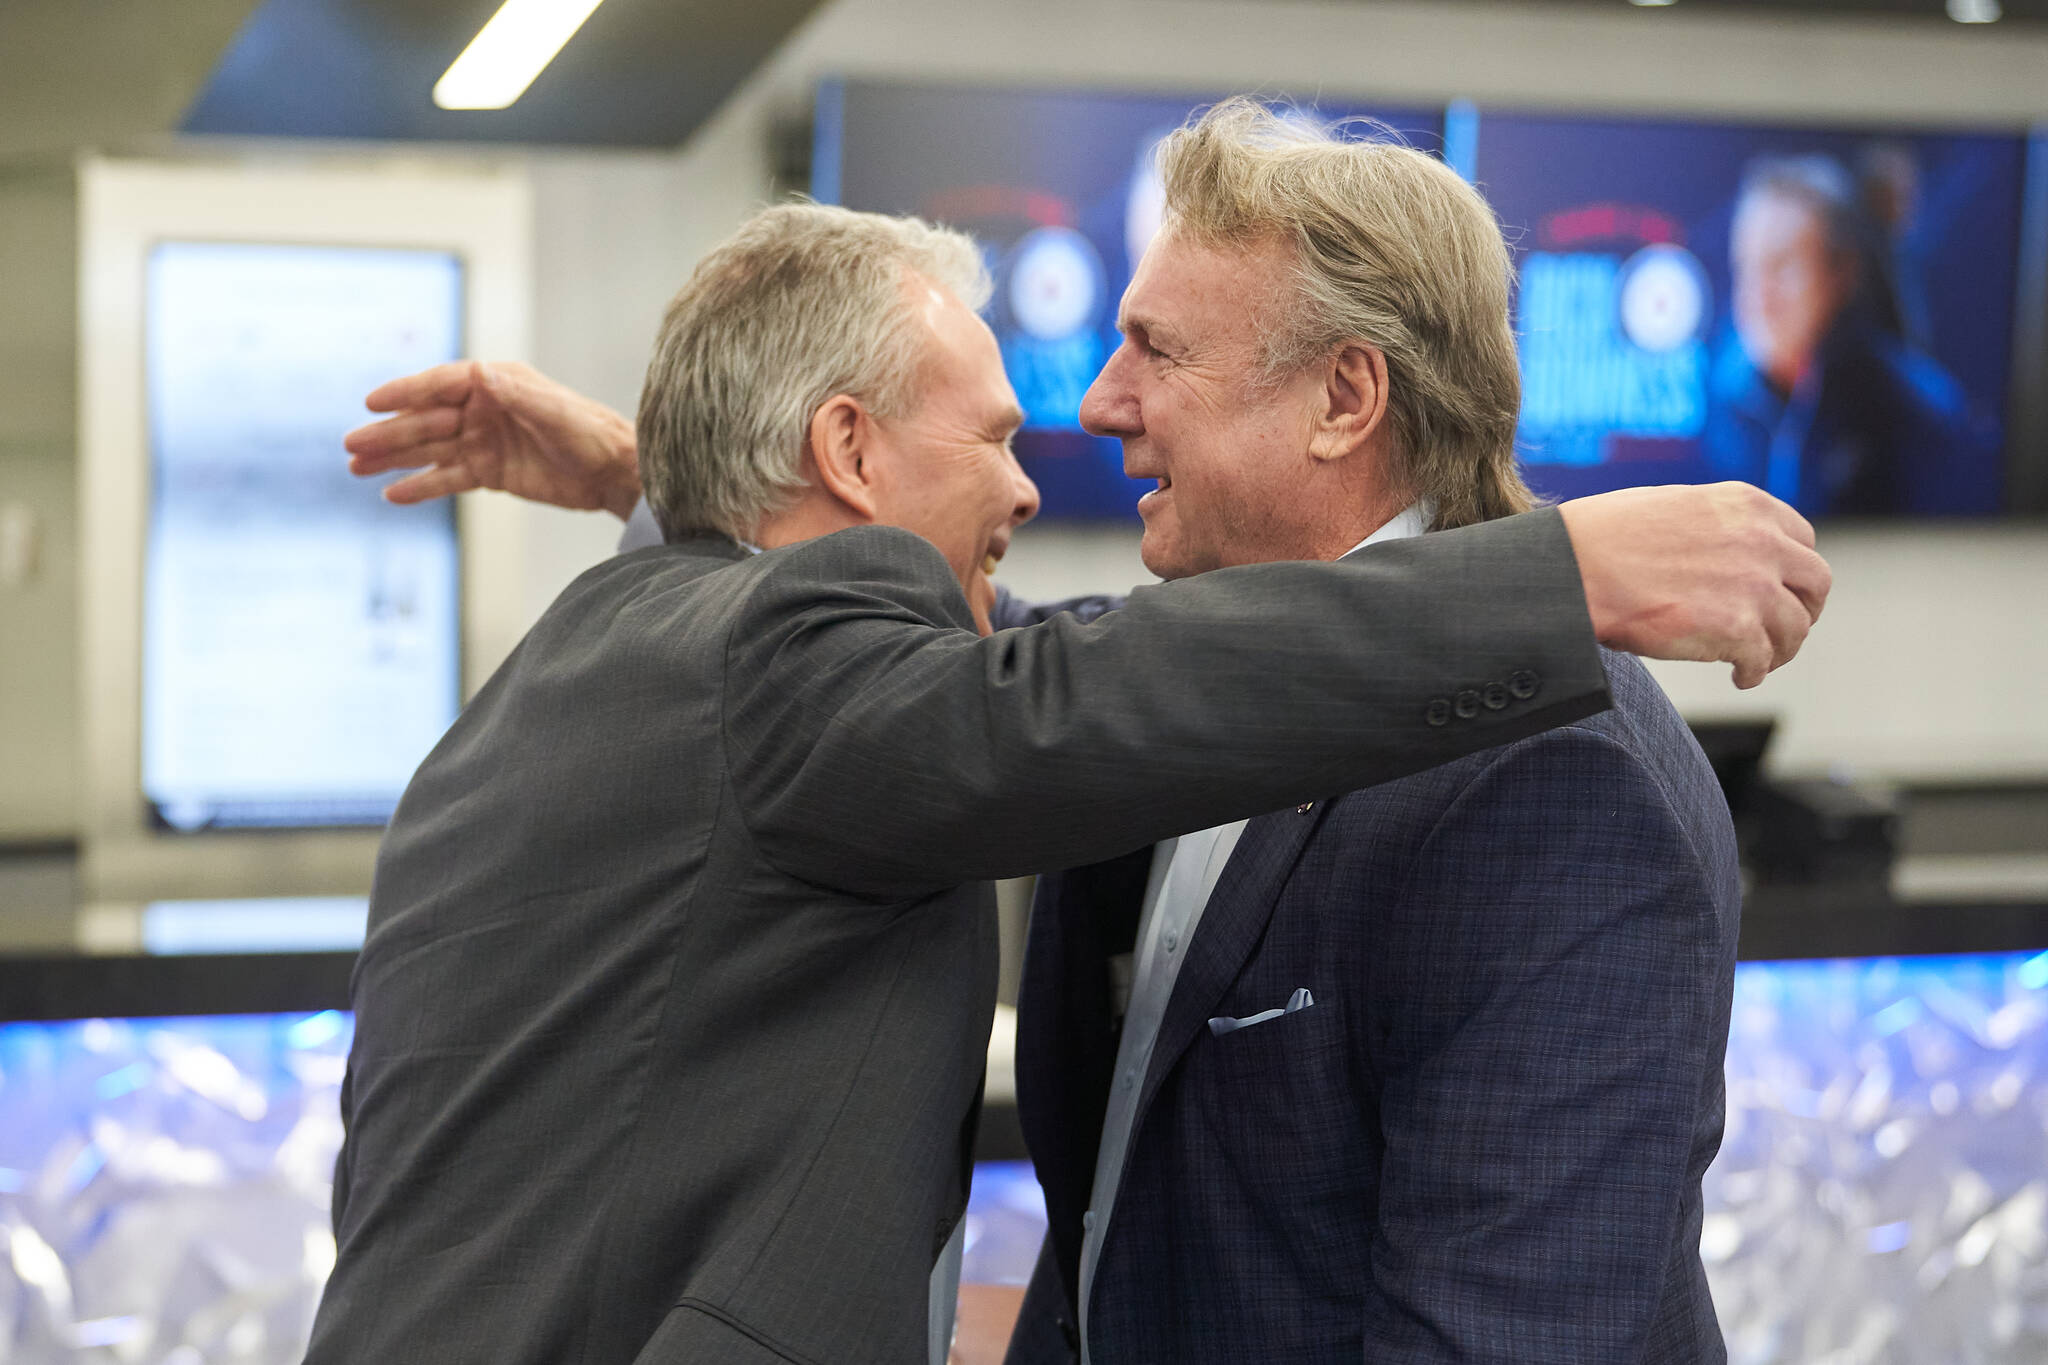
<point x="1825" y="313"/>
<point x="1881" y="1194"/>
<point x="164" y="1185"/>
<point x="278" y="587"/>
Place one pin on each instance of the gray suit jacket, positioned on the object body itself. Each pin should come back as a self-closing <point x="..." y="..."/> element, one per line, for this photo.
<point x="680" y="963"/>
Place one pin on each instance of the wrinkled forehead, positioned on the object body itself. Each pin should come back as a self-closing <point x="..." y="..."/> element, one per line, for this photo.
<point x="1187" y="278"/>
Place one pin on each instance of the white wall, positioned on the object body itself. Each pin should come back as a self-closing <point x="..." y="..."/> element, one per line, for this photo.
<point x="1932" y="659"/>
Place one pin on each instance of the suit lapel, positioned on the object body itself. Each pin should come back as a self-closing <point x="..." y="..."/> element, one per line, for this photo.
<point x="1232" y="925"/>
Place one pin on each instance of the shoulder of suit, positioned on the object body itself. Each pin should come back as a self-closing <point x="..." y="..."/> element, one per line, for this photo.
<point x="884" y="568"/>
<point x="1641" y="730"/>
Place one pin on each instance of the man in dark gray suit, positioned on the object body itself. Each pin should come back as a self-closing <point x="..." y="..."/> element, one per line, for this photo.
<point x="672" y="1007"/>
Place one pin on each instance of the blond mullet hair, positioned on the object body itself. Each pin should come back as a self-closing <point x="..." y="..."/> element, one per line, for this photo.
<point x="803" y="303"/>
<point x="1391" y="248"/>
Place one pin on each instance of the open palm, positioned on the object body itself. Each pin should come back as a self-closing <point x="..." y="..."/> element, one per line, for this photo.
<point x="500" y="425"/>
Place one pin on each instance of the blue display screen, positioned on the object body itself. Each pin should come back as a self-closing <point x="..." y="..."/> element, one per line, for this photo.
<point x="1060" y="191"/>
<point x="1827" y="314"/>
<point x="1886" y="1149"/>
<point x="164" y="1185"/>
<point x="301" y="637"/>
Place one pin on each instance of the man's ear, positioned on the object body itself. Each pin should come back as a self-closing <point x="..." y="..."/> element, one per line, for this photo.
<point x="842" y="449"/>
<point x="1353" y="404"/>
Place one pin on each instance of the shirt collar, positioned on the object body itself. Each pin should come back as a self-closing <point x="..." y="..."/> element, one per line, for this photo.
<point x="1411" y="521"/>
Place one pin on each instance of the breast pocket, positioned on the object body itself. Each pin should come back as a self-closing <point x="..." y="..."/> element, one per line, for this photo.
<point x="1282" y="1097"/>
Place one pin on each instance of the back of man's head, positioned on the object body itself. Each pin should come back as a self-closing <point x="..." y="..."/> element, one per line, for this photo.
<point x="1390" y="248"/>
<point x="804" y="302"/>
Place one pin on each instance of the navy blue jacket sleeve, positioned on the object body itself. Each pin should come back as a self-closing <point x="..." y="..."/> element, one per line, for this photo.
<point x="1010" y="612"/>
<point x="1547" y="1022"/>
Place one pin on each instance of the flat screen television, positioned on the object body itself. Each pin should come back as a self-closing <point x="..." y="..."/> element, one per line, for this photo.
<point x="1060" y="191"/>
<point x="1826" y="313"/>
<point x="301" y="637"/>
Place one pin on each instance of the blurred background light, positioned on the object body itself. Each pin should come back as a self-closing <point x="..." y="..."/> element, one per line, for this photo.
<point x="509" y="51"/>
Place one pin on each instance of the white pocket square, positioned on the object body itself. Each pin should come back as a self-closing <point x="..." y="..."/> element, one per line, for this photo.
<point x="1223" y="1023"/>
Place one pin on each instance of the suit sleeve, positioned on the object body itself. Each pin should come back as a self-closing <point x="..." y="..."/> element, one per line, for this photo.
<point x="1011" y="614"/>
<point x="1546" y="1029"/>
<point x="879" y="747"/>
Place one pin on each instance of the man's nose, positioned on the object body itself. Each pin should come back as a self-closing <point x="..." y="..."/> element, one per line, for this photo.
<point x="1110" y="408"/>
<point x="1027" y="495"/>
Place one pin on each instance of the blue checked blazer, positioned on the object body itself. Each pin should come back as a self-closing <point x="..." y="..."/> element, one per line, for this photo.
<point x="1482" y="1142"/>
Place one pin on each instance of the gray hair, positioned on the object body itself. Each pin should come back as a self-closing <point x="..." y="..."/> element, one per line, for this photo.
<point x="803" y="303"/>
<point x="1391" y="249"/>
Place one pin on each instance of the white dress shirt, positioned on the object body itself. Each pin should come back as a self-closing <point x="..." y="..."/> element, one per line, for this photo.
<point x="1184" y="873"/>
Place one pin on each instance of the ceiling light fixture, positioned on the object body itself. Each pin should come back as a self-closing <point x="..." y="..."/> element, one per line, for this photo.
<point x="1651" y="4"/>
<point x="509" y="51"/>
<point x="1975" y="11"/>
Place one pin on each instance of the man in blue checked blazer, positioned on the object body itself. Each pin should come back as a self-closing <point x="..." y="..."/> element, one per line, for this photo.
<point x="1425" y="1072"/>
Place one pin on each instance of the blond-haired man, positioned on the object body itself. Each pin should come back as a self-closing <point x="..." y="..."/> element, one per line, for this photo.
<point x="1424" y="1072"/>
<point x="672" y="1003"/>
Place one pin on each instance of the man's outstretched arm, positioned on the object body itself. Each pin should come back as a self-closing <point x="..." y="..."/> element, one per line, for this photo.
<point x="1721" y="572"/>
<point x="877" y="744"/>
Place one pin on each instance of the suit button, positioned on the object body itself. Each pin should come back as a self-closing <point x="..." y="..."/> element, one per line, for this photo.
<point x="1494" y="696"/>
<point x="1467" y="704"/>
<point x="1523" y="684"/>
<point x="1439" y="712"/>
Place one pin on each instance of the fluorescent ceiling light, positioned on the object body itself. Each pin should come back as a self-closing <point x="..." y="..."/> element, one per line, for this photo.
<point x="1974" y="11"/>
<point x="509" y="51"/>
<point x="1650" y="4"/>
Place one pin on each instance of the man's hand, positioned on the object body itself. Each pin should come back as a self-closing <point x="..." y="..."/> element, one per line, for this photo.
<point x="500" y="425"/>
<point x="1718" y="572"/>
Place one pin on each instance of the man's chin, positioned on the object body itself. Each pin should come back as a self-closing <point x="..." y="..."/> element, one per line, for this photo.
<point x="1162" y="559"/>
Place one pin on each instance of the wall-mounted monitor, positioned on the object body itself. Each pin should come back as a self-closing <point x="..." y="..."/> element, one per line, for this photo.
<point x="1060" y="191"/>
<point x="301" y="637"/>
<point x="1828" y="314"/>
